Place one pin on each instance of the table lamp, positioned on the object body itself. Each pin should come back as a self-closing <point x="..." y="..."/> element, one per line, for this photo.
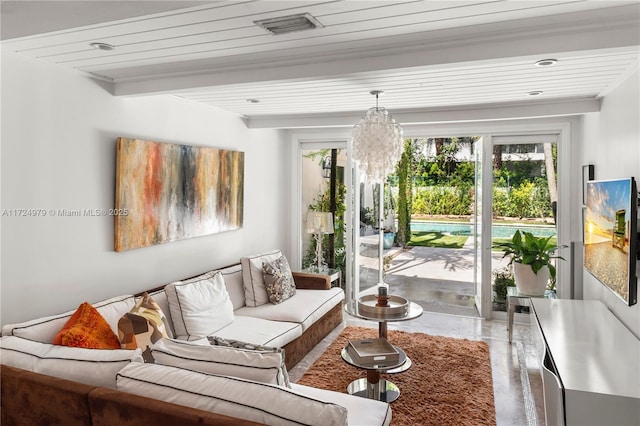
<point x="319" y="223"/>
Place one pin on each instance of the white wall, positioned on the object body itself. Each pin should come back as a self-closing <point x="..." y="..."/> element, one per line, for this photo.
<point x="610" y="140"/>
<point x="58" y="152"/>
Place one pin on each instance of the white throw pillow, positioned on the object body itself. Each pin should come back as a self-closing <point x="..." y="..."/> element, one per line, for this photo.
<point x="255" y="291"/>
<point x="230" y="396"/>
<point x="266" y="366"/>
<point x="199" y="306"/>
<point x="97" y="367"/>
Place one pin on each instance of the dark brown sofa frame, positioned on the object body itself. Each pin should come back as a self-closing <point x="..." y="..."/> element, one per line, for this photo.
<point x="33" y="399"/>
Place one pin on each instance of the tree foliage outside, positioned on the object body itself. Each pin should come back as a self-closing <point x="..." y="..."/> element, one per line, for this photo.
<point x="443" y="179"/>
<point x="436" y="176"/>
<point x="404" y="171"/>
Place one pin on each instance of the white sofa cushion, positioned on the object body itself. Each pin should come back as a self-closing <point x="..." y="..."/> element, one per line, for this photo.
<point x="45" y="329"/>
<point x="260" y="331"/>
<point x="254" y="289"/>
<point x="97" y="367"/>
<point x="361" y="411"/>
<point x="199" y="306"/>
<point x="231" y="396"/>
<point x="305" y="308"/>
<point x="266" y="366"/>
<point x="235" y="287"/>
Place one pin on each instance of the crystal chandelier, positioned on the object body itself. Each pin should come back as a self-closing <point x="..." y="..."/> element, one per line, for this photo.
<point x="377" y="146"/>
<point x="377" y="142"/>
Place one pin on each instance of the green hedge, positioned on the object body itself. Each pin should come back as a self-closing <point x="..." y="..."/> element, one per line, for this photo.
<point x="527" y="200"/>
<point x="442" y="200"/>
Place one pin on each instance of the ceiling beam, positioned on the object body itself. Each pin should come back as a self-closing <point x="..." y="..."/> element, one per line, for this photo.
<point x="504" y="111"/>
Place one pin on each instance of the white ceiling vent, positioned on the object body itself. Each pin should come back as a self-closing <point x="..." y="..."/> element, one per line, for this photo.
<point x="289" y="24"/>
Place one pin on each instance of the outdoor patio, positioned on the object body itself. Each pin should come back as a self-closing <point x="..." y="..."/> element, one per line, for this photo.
<point x="439" y="279"/>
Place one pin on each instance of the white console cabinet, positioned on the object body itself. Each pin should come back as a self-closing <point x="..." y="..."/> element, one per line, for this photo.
<point x="590" y="363"/>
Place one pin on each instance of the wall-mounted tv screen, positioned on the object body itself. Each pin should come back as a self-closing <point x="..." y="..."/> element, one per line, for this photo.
<point x="610" y="235"/>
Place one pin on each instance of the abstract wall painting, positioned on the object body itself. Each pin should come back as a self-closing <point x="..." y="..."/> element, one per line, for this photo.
<point x="168" y="192"/>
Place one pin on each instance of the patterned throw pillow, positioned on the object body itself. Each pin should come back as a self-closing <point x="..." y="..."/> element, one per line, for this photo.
<point x="142" y="326"/>
<point x="87" y="329"/>
<point x="278" y="280"/>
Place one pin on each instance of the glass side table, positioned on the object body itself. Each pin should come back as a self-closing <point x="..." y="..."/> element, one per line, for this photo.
<point x="515" y="298"/>
<point x="374" y="386"/>
<point x="414" y="312"/>
<point x="334" y="274"/>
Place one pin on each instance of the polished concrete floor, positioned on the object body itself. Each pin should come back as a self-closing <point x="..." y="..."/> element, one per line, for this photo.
<point x="441" y="281"/>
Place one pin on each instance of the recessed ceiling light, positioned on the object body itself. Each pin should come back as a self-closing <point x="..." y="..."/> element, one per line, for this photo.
<point x="535" y="93"/>
<point x="253" y="101"/>
<point x="102" y="46"/>
<point x="546" y="62"/>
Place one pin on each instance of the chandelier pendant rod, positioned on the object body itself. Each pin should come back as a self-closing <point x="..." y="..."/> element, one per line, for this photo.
<point x="381" y="233"/>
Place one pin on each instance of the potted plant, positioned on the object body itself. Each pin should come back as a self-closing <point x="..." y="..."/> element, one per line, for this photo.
<point x="502" y="278"/>
<point x="531" y="259"/>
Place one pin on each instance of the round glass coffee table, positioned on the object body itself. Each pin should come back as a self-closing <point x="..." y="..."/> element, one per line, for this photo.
<point x="373" y="386"/>
<point x="414" y="311"/>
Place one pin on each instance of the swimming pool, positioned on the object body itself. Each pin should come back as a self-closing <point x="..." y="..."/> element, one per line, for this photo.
<point x="464" y="229"/>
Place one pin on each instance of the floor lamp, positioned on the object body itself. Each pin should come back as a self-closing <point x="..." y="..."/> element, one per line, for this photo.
<point x="377" y="146"/>
<point x="319" y="224"/>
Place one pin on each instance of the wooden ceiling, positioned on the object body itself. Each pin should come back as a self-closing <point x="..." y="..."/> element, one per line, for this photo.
<point x="423" y="54"/>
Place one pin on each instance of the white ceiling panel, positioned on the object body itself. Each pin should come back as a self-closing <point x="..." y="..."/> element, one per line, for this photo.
<point x="423" y="54"/>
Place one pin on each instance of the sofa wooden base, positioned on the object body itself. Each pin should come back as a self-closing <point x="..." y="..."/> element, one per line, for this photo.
<point x="296" y="349"/>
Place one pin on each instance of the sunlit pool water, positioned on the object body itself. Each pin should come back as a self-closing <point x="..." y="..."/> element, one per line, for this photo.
<point x="465" y="229"/>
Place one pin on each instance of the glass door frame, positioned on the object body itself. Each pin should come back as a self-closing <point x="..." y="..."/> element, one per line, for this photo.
<point x="568" y="188"/>
<point x="304" y="143"/>
<point x="482" y="244"/>
<point x="488" y="130"/>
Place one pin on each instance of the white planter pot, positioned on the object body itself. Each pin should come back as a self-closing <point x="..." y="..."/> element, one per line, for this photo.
<point x="529" y="283"/>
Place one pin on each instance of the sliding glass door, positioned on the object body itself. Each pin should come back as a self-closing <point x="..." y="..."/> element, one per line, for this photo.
<point x="525" y="198"/>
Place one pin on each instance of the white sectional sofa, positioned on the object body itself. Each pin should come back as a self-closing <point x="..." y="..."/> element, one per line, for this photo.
<point x="238" y="307"/>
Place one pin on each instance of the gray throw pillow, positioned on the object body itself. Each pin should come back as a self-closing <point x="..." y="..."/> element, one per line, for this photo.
<point x="278" y="280"/>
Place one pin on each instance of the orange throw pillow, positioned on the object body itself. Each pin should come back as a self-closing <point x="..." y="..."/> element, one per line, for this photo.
<point x="87" y="329"/>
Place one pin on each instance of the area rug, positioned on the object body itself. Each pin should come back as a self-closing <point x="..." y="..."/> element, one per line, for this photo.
<point x="449" y="382"/>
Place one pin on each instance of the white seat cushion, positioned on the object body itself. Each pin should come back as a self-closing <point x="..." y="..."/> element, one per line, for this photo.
<point x="255" y="291"/>
<point x="260" y="331"/>
<point x="266" y="366"/>
<point x="45" y="329"/>
<point x="97" y="367"/>
<point x="361" y="411"/>
<point x="231" y="396"/>
<point x="305" y="308"/>
<point x="199" y="306"/>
